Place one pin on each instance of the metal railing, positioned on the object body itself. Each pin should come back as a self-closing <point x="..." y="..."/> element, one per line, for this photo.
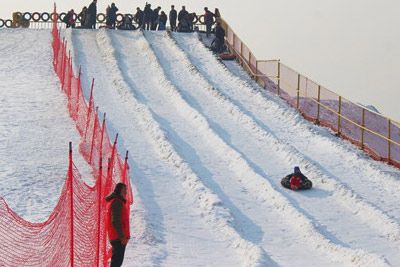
<point x="376" y="134"/>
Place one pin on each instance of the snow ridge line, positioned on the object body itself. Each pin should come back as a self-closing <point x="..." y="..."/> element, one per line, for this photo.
<point x="348" y="198"/>
<point x="292" y="117"/>
<point x="265" y="189"/>
<point x="208" y="202"/>
<point x="143" y="233"/>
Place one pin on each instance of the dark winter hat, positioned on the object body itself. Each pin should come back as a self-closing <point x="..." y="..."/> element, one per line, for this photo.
<point x="296" y="169"/>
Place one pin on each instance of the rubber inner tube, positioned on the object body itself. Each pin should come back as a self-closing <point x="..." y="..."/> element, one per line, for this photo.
<point x="201" y="19"/>
<point x="54" y="17"/>
<point x="35" y="16"/>
<point x="196" y="19"/>
<point x="27" y="16"/>
<point x="8" y="23"/>
<point x="101" y="17"/>
<point x="61" y="16"/>
<point x="1" y="23"/>
<point x="119" y="17"/>
<point x="45" y="16"/>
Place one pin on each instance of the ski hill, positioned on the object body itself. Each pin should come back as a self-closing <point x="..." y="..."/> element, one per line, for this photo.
<point x="208" y="148"/>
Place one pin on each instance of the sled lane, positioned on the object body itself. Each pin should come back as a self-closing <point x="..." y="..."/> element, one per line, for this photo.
<point x="338" y="199"/>
<point x="148" y="85"/>
<point x="181" y="218"/>
<point x="35" y="127"/>
<point x="231" y="126"/>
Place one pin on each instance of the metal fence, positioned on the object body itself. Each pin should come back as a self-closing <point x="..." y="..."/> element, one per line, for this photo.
<point x="378" y="135"/>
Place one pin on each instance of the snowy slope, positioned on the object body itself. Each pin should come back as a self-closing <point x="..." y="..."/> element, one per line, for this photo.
<point x="35" y="127"/>
<point x="207" y="151"/>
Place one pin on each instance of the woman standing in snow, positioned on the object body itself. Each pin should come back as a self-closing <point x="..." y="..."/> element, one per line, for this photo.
<point x="118" y="223"/>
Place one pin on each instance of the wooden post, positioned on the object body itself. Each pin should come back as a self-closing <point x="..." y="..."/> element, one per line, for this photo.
<point x="71" y="206"/>
<point x="362" y="128"/>
<point x="256" y="71"/>
<point x="279" y="77"/>
<point x="339" y="114"/>
<point x="99" y="200"/>
<point x="319" y="103"/>
<point x="389" y="139"/>
<point x="298" y="91"/>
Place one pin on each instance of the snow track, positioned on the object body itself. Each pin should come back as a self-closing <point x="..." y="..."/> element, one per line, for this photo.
<point x="189" y="207"/>
<point x="269" y="114"/>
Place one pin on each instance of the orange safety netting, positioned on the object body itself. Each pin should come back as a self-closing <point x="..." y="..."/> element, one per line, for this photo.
<point x="75" y="232"/>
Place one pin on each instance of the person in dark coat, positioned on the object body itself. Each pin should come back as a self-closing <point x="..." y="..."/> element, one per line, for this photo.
<point x="162" y="21"/>
<point x="182" y="14"/>
<point x="117" y="223"/>
<point x="208" y="20"/>
<point x="83" y="17"/>
<point x="191" y="17"/>
<point x="139" y="17"/>
<point x="148" y="14"/>
<point x="154" y="18"/>
<point x="184" y="24"/>
<point x="218" y="45"/>
<point x="173" y="15"/>
<point x="126" y="24"/>
<point x="111" y="16"/>
<point x="92" y="15"/>
<point x="296" y="181"/>
<point x="69" y="19"/>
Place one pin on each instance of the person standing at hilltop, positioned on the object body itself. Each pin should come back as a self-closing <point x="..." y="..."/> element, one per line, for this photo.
<point x="173" y="15"/>
<point x="92" y="15"/>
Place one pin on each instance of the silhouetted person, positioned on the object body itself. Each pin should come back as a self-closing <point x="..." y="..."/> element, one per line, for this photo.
<point x="208" y="20"/>
<point x="148" y="14"/>
<point x="69" y="19"/>
<point x="83" y="17"/>
<point x="92" y="15"/>
<point x="162" y="21"/>
<point x="173" y="15"/>
<point x="182" y="14"/>
<point x="154" y="18"/>
<point x="218" y="45"/>
<point x="111" y="16"/>
<point x="139" y="17"/>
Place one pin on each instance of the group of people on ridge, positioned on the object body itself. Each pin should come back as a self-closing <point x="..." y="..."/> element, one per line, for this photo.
<point x="146" y="19"/>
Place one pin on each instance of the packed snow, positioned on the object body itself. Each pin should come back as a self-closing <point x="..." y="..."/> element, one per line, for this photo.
<point x="208" y="148"/>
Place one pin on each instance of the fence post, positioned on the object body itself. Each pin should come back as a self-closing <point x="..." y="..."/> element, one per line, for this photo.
<point x="71" y="206"/>
<point x="79" y="89"/>
<point x="279" y="77"/>
<point x="256" y="71"/>
<point x="99" y="180"/>
<point x="298" y="91"/>
<point x="90" y="107"/>
<point x="339" y="114"/>
<point x="362" y="128"/>
<point x="94" y="134"/>
<point x="319" y="103"/>
<point x="389" y="139"/>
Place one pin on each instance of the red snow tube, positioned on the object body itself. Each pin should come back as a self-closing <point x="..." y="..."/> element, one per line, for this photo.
<point x="225" y="56"/>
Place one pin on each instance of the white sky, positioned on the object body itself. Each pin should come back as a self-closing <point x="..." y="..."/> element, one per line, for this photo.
<point x="351" y="47"/>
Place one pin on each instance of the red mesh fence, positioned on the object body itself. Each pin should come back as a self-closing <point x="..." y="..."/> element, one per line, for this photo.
<point x="75" y="232"/>
<point x="376" y="134"/>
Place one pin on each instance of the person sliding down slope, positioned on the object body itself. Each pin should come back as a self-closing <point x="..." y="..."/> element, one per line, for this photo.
<point x="296" y="181"/>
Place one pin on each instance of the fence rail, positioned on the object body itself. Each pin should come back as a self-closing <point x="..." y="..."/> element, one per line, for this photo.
<point x="378" y="135"/>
